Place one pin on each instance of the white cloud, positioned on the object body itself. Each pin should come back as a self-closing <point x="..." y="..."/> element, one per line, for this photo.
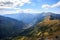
<point x="46" y="6"/>
<point x="2" y="12"/>
<point x="56" y="5"/>
<point x="12" y="3"/>
<point x="28" y="10"/>
<point x="9" y="6"/>
<point x="17" y="10"/>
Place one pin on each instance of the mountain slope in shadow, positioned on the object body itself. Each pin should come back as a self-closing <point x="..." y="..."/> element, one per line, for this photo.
<point x="10" y="27"/>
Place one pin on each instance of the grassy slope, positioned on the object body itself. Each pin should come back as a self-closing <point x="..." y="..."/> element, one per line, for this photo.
<point x="45" y="29"/>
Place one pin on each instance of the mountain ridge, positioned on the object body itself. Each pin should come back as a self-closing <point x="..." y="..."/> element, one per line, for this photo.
<point x="46" y="26"/>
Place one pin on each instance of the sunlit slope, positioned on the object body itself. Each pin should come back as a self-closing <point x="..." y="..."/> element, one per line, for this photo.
<point x="47" y="29"/>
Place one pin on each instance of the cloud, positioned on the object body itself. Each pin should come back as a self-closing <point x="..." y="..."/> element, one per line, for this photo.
<point x="28" y="10"/>
<point x="46" y="6"/>
<point x="17" y="10"/>
<point x="6" y="11"/>
<point x="11" y="6"/>
<point x="12" y="3"/>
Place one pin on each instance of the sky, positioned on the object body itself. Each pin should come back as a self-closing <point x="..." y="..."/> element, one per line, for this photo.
<point x="29" y="6"/>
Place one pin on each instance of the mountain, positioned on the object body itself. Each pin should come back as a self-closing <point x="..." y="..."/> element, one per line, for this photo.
<point x="55" y="16"/>
<point x="10" y="27"/>
<point x="23" y="16"/>
<point x="29" y="19"/>
<point x="48" y="29"/>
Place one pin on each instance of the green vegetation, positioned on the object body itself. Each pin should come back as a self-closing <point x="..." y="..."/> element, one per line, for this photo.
<point x="47" y="29"/>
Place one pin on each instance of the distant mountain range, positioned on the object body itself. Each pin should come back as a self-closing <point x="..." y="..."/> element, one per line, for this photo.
<point x="55" y="16"/>
<point x="13" y="25"/>
<point x="25" y="17"/>
<point x="28" y="18"/>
